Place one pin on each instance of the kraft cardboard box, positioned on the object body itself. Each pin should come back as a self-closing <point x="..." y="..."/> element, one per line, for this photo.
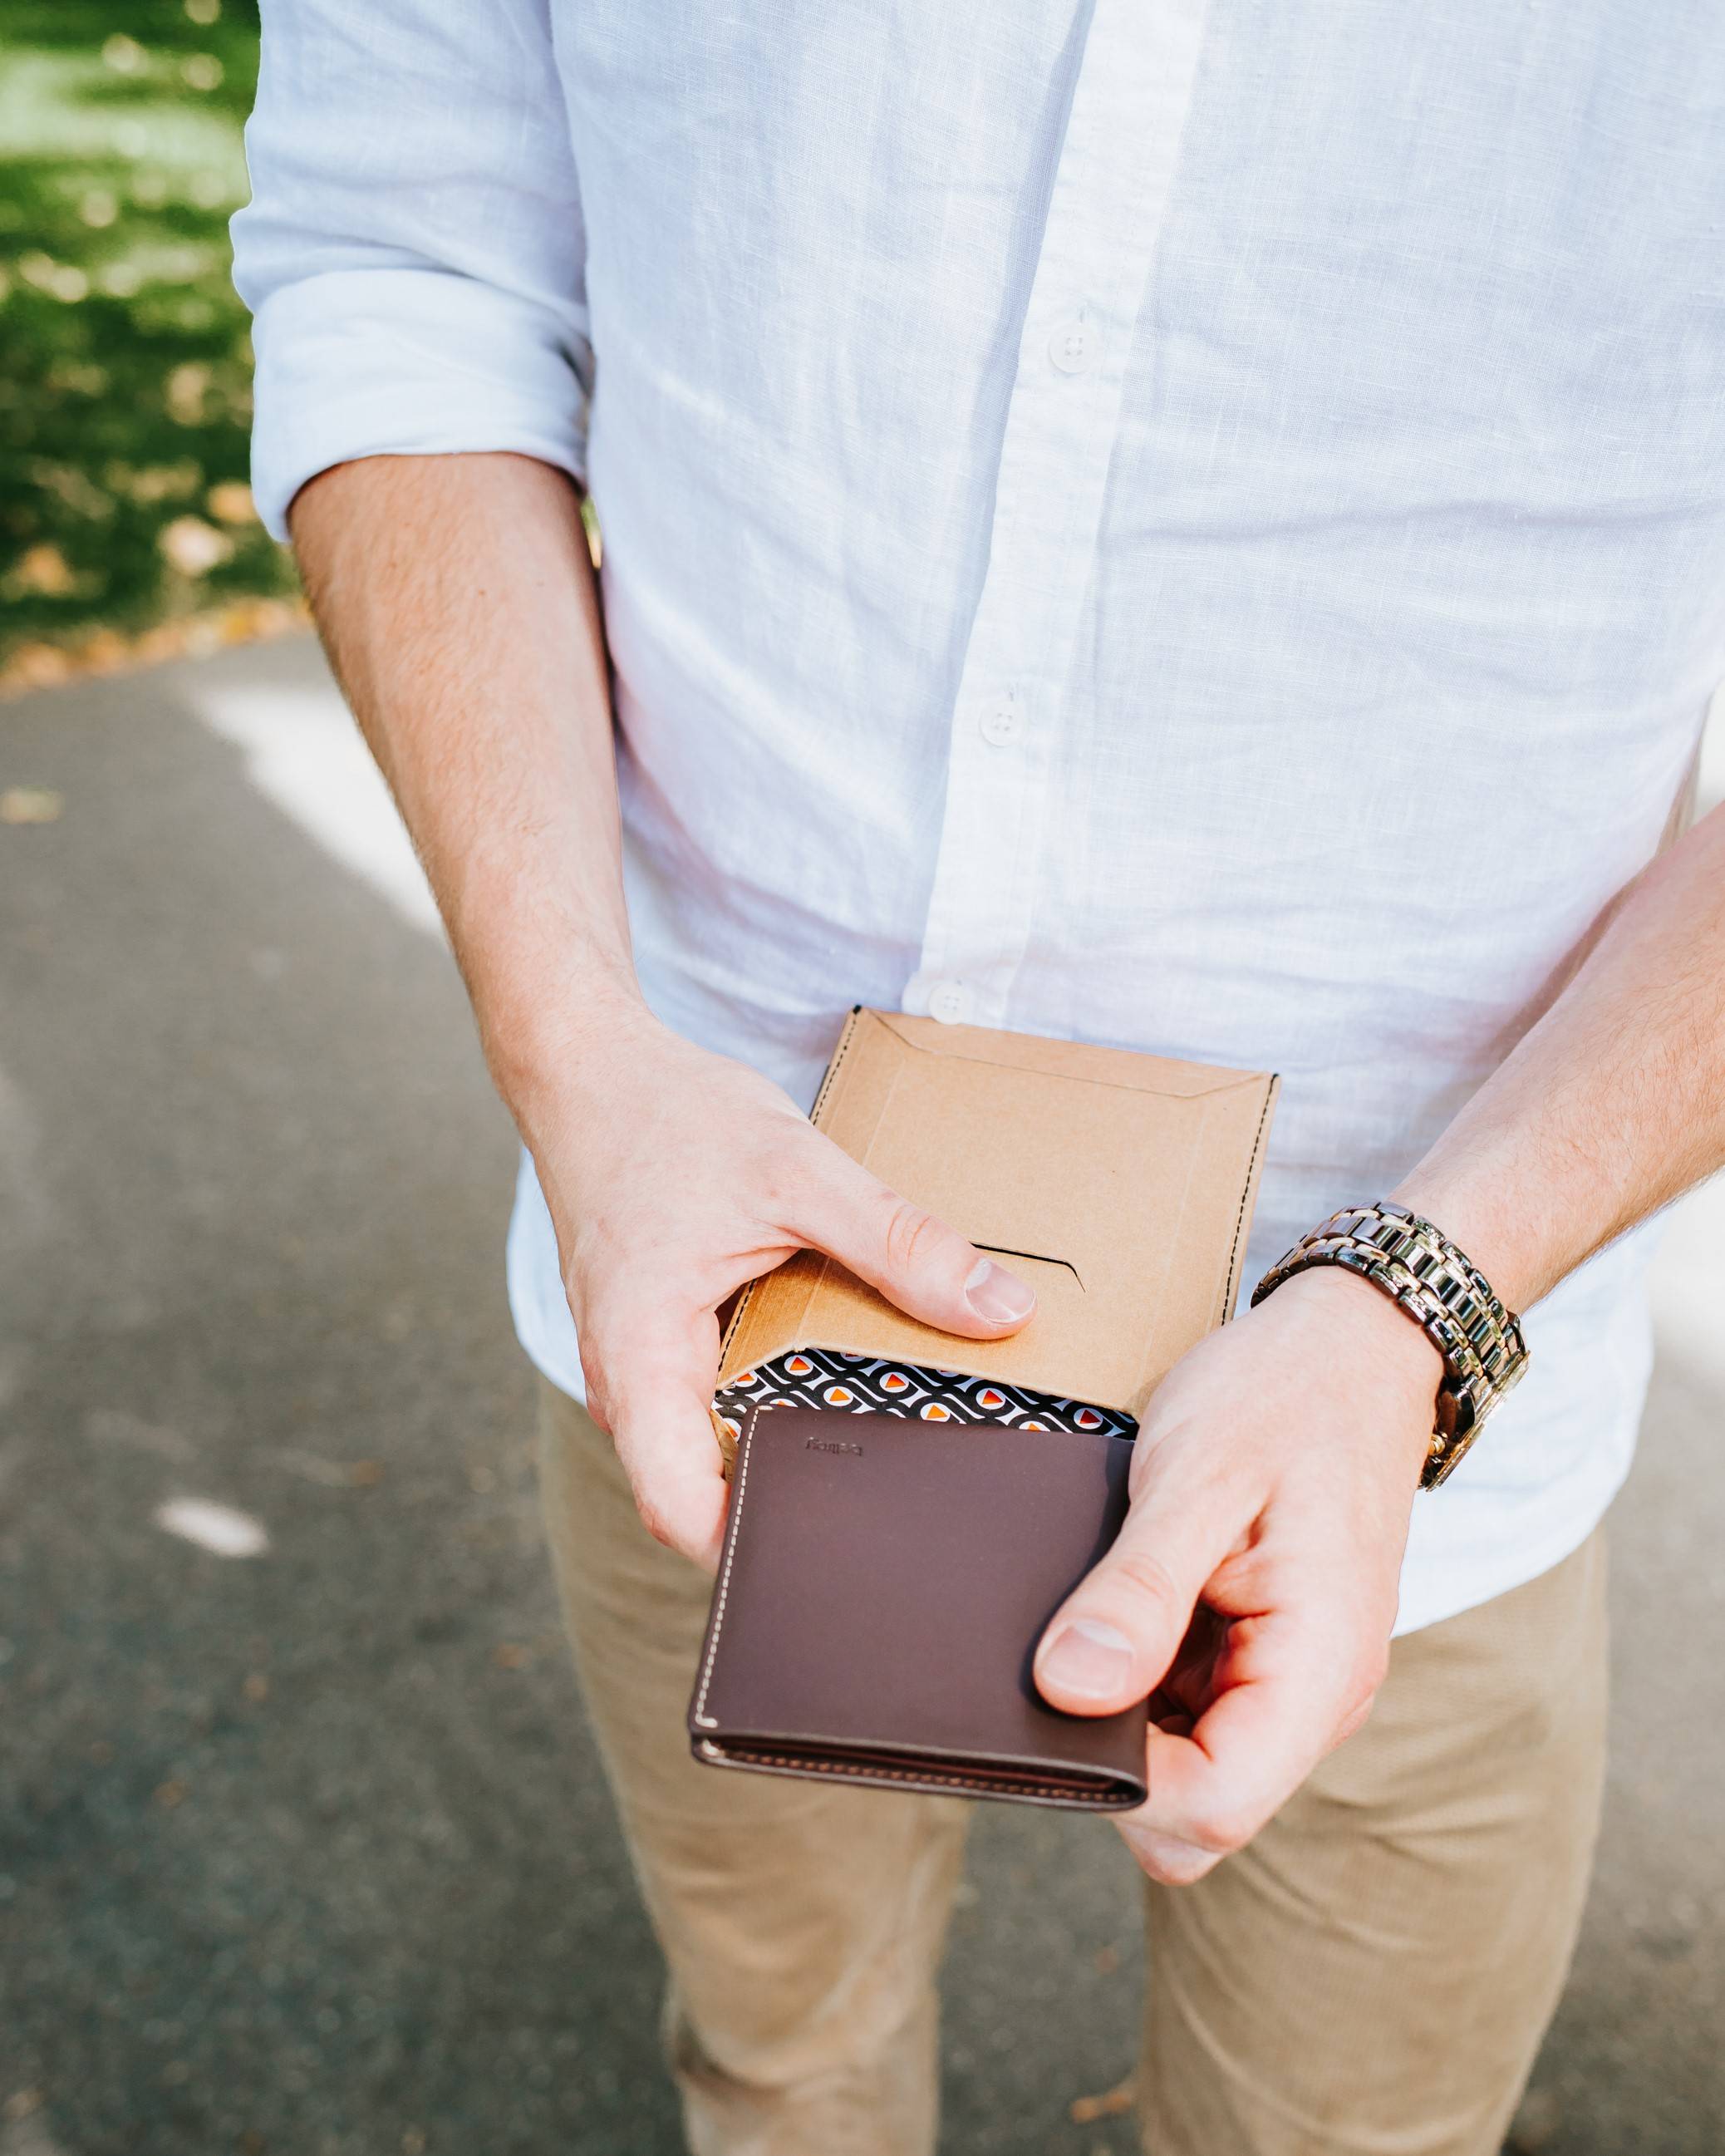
<point x="1121" y="1186"/>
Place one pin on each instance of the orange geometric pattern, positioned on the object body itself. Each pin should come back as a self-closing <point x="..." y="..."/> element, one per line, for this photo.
<point x="860" y="1384"/>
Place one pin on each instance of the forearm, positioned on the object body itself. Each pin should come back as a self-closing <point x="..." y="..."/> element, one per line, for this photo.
<point x="1612" y="1104"/>
<point x="1609" y="1107"/>
<point x="457" y="600"/>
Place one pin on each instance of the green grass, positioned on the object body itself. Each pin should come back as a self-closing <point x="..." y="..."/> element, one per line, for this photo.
<point x="125" y="363"/>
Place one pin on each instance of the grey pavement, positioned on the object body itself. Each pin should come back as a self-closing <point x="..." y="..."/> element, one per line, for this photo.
<point x="304" y="1846"/>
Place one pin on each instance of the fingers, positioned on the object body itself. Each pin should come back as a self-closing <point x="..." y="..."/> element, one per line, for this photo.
<point x="1246" y="1706"/>
<point x="650" y="1374"/>
<point x="915" y="1261"/>
<point x="1290" y="1689"/>
<point x="1115" y="1638"/>
<point x="650" y="1389"/>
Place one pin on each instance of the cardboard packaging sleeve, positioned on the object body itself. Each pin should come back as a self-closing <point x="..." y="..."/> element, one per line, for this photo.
<point x="1121" y="1186"/>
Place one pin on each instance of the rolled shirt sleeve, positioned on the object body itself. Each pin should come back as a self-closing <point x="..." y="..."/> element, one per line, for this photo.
<point x="413" y="253"/>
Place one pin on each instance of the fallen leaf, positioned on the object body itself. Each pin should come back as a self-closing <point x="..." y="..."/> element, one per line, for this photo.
<point x="169" y="1794"/>
<point x="1086" y="2109"/>
<point x="166" y="640"/>
<point x="105" y="653"/>
<point x="256" y="1685"/>
<point x="39" y="666"/>
<point x="332" y="1474"/>
<point x="31" y="804"/>
<point x="244" y="621"/>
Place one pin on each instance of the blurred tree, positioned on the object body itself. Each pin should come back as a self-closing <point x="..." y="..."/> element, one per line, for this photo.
<point x="125" y="362"/>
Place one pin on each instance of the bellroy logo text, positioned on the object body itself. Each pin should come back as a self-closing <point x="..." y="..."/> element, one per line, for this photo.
<point x="830" y="1444"/>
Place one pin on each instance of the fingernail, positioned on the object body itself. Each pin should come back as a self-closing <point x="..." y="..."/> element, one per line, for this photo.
<point x="1175" y="1862"/>
<point x="1088" y="1659"/>
<point x="999" y="1297"/>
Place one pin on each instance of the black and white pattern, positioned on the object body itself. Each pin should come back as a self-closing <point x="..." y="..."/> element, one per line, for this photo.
<point x="860" y="1384"/>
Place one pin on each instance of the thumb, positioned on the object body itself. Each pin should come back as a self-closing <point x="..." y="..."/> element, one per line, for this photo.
<point x="915" y="1261"/>
<point x="1115" y="1637"/>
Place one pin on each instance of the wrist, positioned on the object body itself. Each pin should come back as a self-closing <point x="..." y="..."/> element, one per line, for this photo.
<point x="1366" y="1341"/>
<point x="1363" y="1325"/>
<point x="1431" y="1278"/>
<point x="1499" y="1238"/>
<point x="562" y="1046"/>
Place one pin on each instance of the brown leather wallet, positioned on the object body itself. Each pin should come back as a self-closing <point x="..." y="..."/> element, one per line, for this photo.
<point x="883" y="1586"/>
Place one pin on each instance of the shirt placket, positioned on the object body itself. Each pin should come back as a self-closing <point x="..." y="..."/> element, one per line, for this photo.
<point x="1105" y="213"/>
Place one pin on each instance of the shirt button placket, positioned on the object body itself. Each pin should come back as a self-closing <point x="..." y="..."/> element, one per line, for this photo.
<point x="1092" y="269"/>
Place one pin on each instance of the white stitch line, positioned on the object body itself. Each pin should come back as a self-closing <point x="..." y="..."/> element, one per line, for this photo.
<point x="701" y="1717"/>
<point x="852" y="1768"/>
<point x="861" y="1771"/>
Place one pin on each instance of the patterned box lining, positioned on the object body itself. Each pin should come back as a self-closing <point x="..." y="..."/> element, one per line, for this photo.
<point x="860" y="1384"/>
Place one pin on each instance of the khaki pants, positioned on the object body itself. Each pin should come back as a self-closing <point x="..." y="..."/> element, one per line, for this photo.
<point x="1372" y="1974"/>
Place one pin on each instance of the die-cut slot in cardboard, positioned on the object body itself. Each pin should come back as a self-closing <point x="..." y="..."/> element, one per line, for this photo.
<point x="1126" y="1181"/>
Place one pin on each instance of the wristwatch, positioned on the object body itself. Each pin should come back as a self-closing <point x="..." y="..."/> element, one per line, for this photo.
<point x="1418" y="1267"/>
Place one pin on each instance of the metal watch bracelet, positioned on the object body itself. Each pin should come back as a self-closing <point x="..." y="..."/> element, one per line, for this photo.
<point x="1418" y="1267"/>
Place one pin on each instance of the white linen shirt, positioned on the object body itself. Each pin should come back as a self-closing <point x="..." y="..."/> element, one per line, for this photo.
<point x="1197" y="528"/>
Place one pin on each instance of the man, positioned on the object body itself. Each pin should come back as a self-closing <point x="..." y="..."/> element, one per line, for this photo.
<point x="1202" y="529"/>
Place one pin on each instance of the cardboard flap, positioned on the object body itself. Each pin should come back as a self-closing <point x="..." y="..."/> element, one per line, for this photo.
<point x="1121" y="1186"/>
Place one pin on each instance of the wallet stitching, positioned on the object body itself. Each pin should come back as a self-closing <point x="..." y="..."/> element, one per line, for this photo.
<point x="801" y="1763"/>
<point x="730" y="1552"/>
<point x="1251" y="1169"/>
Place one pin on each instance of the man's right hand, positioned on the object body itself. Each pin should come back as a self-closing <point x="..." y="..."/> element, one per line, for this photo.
<point x="674" y="1176"/>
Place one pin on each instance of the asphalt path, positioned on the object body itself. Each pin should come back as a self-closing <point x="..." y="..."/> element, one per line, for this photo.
<point x="304" y="1846"/>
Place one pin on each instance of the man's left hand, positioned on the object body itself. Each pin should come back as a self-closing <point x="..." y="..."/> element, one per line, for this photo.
<point x="1252" y="1591"/>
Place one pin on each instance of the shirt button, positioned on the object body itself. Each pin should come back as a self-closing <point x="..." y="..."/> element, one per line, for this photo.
<point x="1003" y="723"/>
<point x="1074" y="345"/>
<point x="950" y="1003"/>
